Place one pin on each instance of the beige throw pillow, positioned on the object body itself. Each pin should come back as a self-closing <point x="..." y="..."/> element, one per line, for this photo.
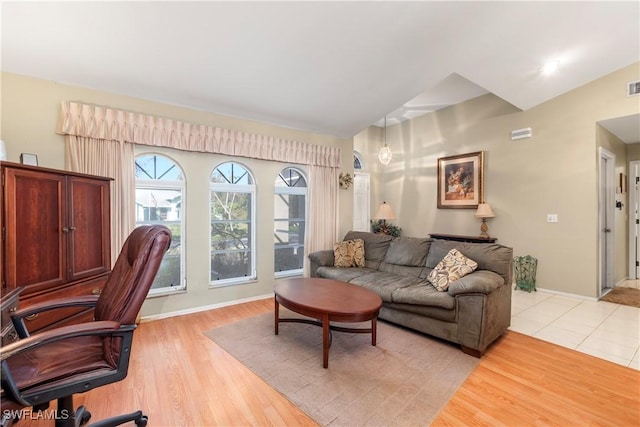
<point x="452" y="267"/>
<point x="349" y="253"/>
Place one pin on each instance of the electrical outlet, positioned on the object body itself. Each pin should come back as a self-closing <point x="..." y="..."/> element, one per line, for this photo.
<point x="552" y="217"/>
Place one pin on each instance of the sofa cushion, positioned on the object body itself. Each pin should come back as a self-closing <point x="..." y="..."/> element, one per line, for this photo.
<point x="423" y="294"/>
<point x="402" y="270"/>
<point x="489" y="256"/>
<point x="375" y="246"/>
<point x="384" y="284"/>
<point x="411" y="251"/>
<point x="480" y="281"/>
<point x="342" y="274"/>
<point x="452" y="267"/>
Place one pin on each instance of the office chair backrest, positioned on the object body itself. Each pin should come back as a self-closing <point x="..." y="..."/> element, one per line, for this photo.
<point x="130" y="280"/>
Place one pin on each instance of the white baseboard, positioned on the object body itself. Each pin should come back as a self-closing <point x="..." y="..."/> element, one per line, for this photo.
<point x="568" y="295"/>
<point x="202" y="308"/>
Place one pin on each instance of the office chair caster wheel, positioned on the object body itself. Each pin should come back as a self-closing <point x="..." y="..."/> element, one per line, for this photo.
<point x="142" y="422"/>
<point x="82" y="416"/>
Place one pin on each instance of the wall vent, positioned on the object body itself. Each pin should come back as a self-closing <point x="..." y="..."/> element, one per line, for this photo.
<point x="521" y="133"/>
<point x="633" y="88"/>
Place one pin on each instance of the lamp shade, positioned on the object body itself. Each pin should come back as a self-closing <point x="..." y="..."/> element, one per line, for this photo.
<point x="484" y="211"/>
<point x="384" y="212"/>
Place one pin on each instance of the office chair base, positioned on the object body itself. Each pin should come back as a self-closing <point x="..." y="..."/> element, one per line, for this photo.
<point x="81" y="416"/>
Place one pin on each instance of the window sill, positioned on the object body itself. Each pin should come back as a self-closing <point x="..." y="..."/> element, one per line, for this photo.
<point x="166" y="292"/>
<point x="232" y="282"/>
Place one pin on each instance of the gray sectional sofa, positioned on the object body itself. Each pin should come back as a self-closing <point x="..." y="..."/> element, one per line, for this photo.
<point x="473" y="312"/>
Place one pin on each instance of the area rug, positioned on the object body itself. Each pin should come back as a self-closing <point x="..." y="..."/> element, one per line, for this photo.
<point x="405" y="380"/>
<point x="625" y="296"/>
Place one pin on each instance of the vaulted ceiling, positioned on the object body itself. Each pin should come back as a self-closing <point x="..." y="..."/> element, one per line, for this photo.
<point x="326" y="67"/>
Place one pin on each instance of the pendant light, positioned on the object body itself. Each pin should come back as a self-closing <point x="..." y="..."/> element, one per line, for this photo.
<point x="384" y="155"/>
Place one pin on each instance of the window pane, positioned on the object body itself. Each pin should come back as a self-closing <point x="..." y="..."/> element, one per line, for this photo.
<point x="290" y="177"/>
<point x="230" y="265"/>
<point x="162" y="204"/>
<point x="230" y="236"/>
<point x="231" y="173"/>
<point x="226" y="206"/>
<point x="289" y="220"/>
<point x="231" y="223"/>
<point x="154" y="167"/>
<point x="169" y="272"/>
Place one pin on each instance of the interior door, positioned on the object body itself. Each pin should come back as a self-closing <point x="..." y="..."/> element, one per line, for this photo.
<point x="361" y="202"/>
<point x="633" y="190"/>
<point x="606" y="219"/>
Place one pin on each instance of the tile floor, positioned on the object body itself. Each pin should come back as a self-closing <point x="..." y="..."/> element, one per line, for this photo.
<point x="601" y="329"/>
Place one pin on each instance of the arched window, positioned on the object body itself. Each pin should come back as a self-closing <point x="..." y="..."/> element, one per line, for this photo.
<point x="159" y="200"/>
<point x="357" y="161"/>
<point x="232" y="207"/>
<point x="290" y="218"/>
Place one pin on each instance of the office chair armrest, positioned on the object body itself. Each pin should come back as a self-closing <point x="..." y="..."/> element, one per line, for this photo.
<point x="76" y="301"/>
<point x="18" y="316"/>
<point x="104" y="327"/>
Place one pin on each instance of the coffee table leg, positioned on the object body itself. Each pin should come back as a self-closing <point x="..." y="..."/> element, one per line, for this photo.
<point x="325" y="341"/>
<point x="276" y="315"/>
<point x="374" y="325"/>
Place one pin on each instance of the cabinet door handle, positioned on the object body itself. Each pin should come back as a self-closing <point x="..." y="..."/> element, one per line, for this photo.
<point x="31" y="316"/>
<point x="12" y="309"/>
<point x="65" y="230"/>
<point x="72" y="228"/>
<point x="96" y="291"/>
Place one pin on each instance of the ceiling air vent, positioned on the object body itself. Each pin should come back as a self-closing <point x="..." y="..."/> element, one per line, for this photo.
<point x="521" y="133"/>
<point x="633" y="88"/>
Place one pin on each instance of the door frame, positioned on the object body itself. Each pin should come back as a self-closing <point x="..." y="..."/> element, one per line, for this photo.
<point x="606" y="205"/>
<point x="633" y="191"/>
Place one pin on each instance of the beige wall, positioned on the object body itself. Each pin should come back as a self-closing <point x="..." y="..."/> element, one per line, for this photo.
<point x="29" y="115"/>
<point x="555" y="171"/>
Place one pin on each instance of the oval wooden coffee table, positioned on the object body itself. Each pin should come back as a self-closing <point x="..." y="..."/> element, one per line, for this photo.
<point x="327" y="300"/>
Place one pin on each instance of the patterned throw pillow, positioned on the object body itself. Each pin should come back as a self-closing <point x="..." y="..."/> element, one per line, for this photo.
<point x="349" y="253"/>
<point x="343" y="254"/>
<point x="452" y="267"/>
<point x="358" y="253"/>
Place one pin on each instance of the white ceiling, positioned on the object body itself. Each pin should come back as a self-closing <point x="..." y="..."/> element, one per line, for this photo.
<point x="327" y="67"/>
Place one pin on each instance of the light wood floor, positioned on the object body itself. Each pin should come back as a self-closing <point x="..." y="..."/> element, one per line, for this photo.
<point x="181" y="378"/>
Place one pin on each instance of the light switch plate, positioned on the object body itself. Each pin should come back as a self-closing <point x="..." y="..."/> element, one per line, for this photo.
<point x="552" y="217"/>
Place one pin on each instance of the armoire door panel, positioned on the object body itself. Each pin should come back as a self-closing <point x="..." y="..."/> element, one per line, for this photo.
<point x="89" y="229"/>
<point x="35" y="215"/>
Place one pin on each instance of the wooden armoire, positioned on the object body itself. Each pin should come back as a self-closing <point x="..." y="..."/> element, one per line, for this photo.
<point x="55" y="238"/>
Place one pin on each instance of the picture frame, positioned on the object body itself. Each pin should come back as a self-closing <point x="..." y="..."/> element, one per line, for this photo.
<point x="461" y="181"/>
<point x="29" y="159"/>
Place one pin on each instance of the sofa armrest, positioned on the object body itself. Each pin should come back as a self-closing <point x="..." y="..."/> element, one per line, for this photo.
<point x="480" y="281"/>
<point x="320" y="259"/>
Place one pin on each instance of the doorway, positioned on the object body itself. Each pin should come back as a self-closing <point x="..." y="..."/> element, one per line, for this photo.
<point x="361" y="201"/>
<point x="606" y="220"/>
<point x="633" y="190"/>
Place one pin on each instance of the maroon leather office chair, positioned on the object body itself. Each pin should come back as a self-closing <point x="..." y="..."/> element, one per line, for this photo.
<point x="57" y="363"/>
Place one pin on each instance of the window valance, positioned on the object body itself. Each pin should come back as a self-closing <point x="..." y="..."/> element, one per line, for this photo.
<point x="105" y="123"/>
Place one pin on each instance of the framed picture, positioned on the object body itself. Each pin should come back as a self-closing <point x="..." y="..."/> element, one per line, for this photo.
<point x="461" y="181"/>
<point x="29" y="159"/>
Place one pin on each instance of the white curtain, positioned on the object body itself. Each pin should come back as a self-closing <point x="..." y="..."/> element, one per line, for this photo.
<point x="111" y="159"/>
<point x="100" y="141"/>
<point x="323" y="211"/>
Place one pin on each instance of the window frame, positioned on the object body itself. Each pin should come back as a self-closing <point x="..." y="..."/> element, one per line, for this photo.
<point x="235" y="188"/>
<point x="296" y="191"/>
<point x="161" y="184"/>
